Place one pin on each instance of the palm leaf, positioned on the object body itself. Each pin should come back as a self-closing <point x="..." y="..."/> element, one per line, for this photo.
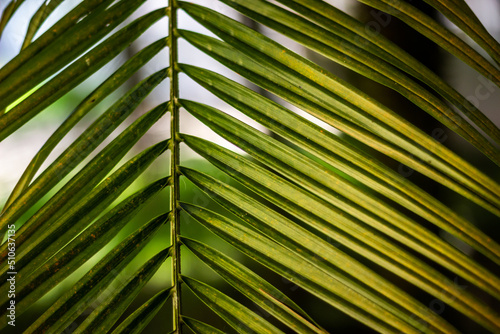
<point x="304" y="202"/>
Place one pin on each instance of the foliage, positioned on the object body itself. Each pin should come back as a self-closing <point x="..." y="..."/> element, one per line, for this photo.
<point x="318" y="210"/>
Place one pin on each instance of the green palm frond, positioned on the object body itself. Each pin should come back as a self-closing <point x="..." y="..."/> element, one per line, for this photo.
<point x="87" y="232"/>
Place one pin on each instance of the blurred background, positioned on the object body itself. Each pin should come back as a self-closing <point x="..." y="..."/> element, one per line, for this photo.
<point x="18" y="149"/>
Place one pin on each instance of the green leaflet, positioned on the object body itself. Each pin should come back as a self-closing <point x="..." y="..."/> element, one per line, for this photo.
<point x="199" y="327"/>
<point x="440" y="35"/>
<point x="44" y="244"/>
<point x="73" y="75"/>
<point x="59" y="28"/>
<point x="105" y="315"/>
<point x="461" y="15"/>
<point x="137" y="321"/>
<point x="347" y="102"/>
<point x="37" y="20"/>
<point x="337" y="22"/>
<point x="82" y="183"/>
<point x="76" y="300"/>
<point x="81" y="147"/>
<point x="304" y="274"/>
<point x="64" y="49"/>
<point x="343" y="194"/>
<point x="106" y="88"/>
<point x="8" y="12"/>
<point x="343" y="156"/>
<point x="43" y="278"/>
<point x="238" y="316"/>
<point x="295" y="92"/>
<point x="308" y="207"/>
<point x="339" y="47"/>
<point x="320" y="253"/>
<point x="254" y="287"/>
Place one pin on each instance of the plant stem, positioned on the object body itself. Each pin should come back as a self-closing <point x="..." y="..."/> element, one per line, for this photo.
<point x="174" y="163"/>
